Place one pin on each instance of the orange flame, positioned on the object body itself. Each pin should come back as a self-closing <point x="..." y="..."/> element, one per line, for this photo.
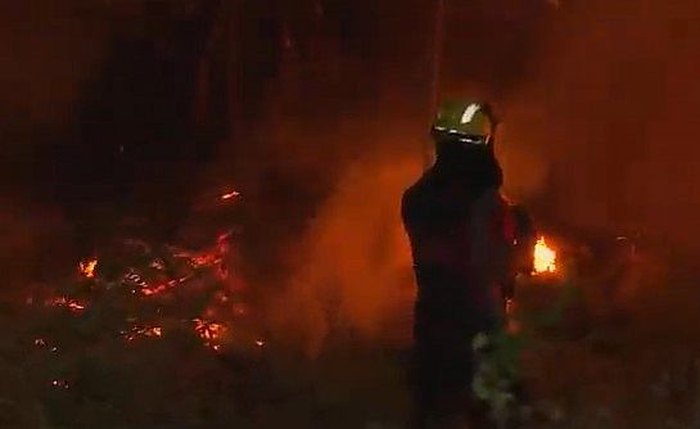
<point x="545" y="258"/>
<point x="87" y="268"/>
<point x="209" y="332"/>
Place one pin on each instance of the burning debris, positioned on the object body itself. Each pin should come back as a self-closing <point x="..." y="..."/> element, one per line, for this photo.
<point x="545" y="258"/>
<point x="210" y="332"/>
<point x="148" y="290"/>
<point x="142" y="332"/>
<point x="87" y="268"/>
<point x="72" y="305"/>
<point x="143" y="292"/>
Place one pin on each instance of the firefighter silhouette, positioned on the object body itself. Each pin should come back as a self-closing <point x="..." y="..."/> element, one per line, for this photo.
<point x="463" y="236"/>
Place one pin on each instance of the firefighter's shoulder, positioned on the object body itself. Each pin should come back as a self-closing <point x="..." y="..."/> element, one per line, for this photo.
<point x="419" y="190"/>
<point x="417" y="201"/>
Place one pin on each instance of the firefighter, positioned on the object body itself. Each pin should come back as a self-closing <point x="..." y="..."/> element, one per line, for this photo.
<point x="462" y="234"/>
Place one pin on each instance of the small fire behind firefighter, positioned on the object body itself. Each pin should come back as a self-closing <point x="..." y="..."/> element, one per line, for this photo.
<point x="464" y="239"/>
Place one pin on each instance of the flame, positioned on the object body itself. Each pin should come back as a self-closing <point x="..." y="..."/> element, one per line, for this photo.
<point x="209" y="332"/>
<point x="87" y="268"/>
<point x="545" y="258"/>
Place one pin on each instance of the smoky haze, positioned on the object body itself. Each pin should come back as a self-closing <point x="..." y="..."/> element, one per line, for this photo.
<point x="598" y="102"/>
<point x="350" y="272"/>
<point x="597" y="98"/>
<point x="610" y="113"/>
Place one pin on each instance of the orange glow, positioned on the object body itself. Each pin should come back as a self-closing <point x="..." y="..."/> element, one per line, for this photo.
<point x="87" y="268"/>
<point x="229" y="195"/>
<point x="209" y="332"/>
<point x="73" y="305"/>
<point x="545" y="258"/>
<point x="205" y="260"/>
<point x="145" y="331"/>
<point x="154" y="290"/>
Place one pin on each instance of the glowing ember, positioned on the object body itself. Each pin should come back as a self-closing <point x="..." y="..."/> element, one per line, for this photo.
<point x="260" y="343"/>
<point x="42" y="343"/>
<point x="87" y="268"/>
<point x="134" y="278"/>
<point x="154" y="290"/>
<point x="229" y="195"/>
<point x="157" y="264"/>
<point x="209" y="332"/>
<point x="73" y="305"/>
<point x="205" y="260"/>
<point x="60" y="384"/>
<point x="545" y="258"/>
<point x="143" y="331"/>
<point x="150" y="290"/>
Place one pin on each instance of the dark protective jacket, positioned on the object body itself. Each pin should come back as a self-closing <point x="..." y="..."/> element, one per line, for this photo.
<point x="461" y="232"/>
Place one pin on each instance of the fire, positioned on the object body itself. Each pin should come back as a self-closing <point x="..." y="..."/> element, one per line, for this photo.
<point x="209" y="332"/>
<point x="155" y="290"/>
<point x="545" y="258"/>
<point x="145" y="331"/>
<point x="73" y="305"/>
<point x="205" y="260"/>
<point x="87" y="268"/>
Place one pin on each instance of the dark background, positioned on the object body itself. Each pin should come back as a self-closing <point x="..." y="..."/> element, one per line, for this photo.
<point x="132" y="108"/>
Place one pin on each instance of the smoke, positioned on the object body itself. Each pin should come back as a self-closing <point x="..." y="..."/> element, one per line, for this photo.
<point x="598" y="103"/>
<point x="611" y="114"/>
<point x="350" y="271"/>
<point x="354" y="276"/>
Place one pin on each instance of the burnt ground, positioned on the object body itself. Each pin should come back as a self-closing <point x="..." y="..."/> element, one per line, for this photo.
<point x="623" y="354"/>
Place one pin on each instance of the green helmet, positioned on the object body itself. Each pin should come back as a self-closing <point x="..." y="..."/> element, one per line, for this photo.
<point x="466" y="121"/>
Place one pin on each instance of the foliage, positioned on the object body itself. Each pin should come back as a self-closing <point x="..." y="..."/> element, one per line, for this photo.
<point x="498" y="376"/>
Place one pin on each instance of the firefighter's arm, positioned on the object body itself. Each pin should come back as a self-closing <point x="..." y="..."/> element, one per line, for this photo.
<point x="525" y="238"/>
<point x="494" y="247"/>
